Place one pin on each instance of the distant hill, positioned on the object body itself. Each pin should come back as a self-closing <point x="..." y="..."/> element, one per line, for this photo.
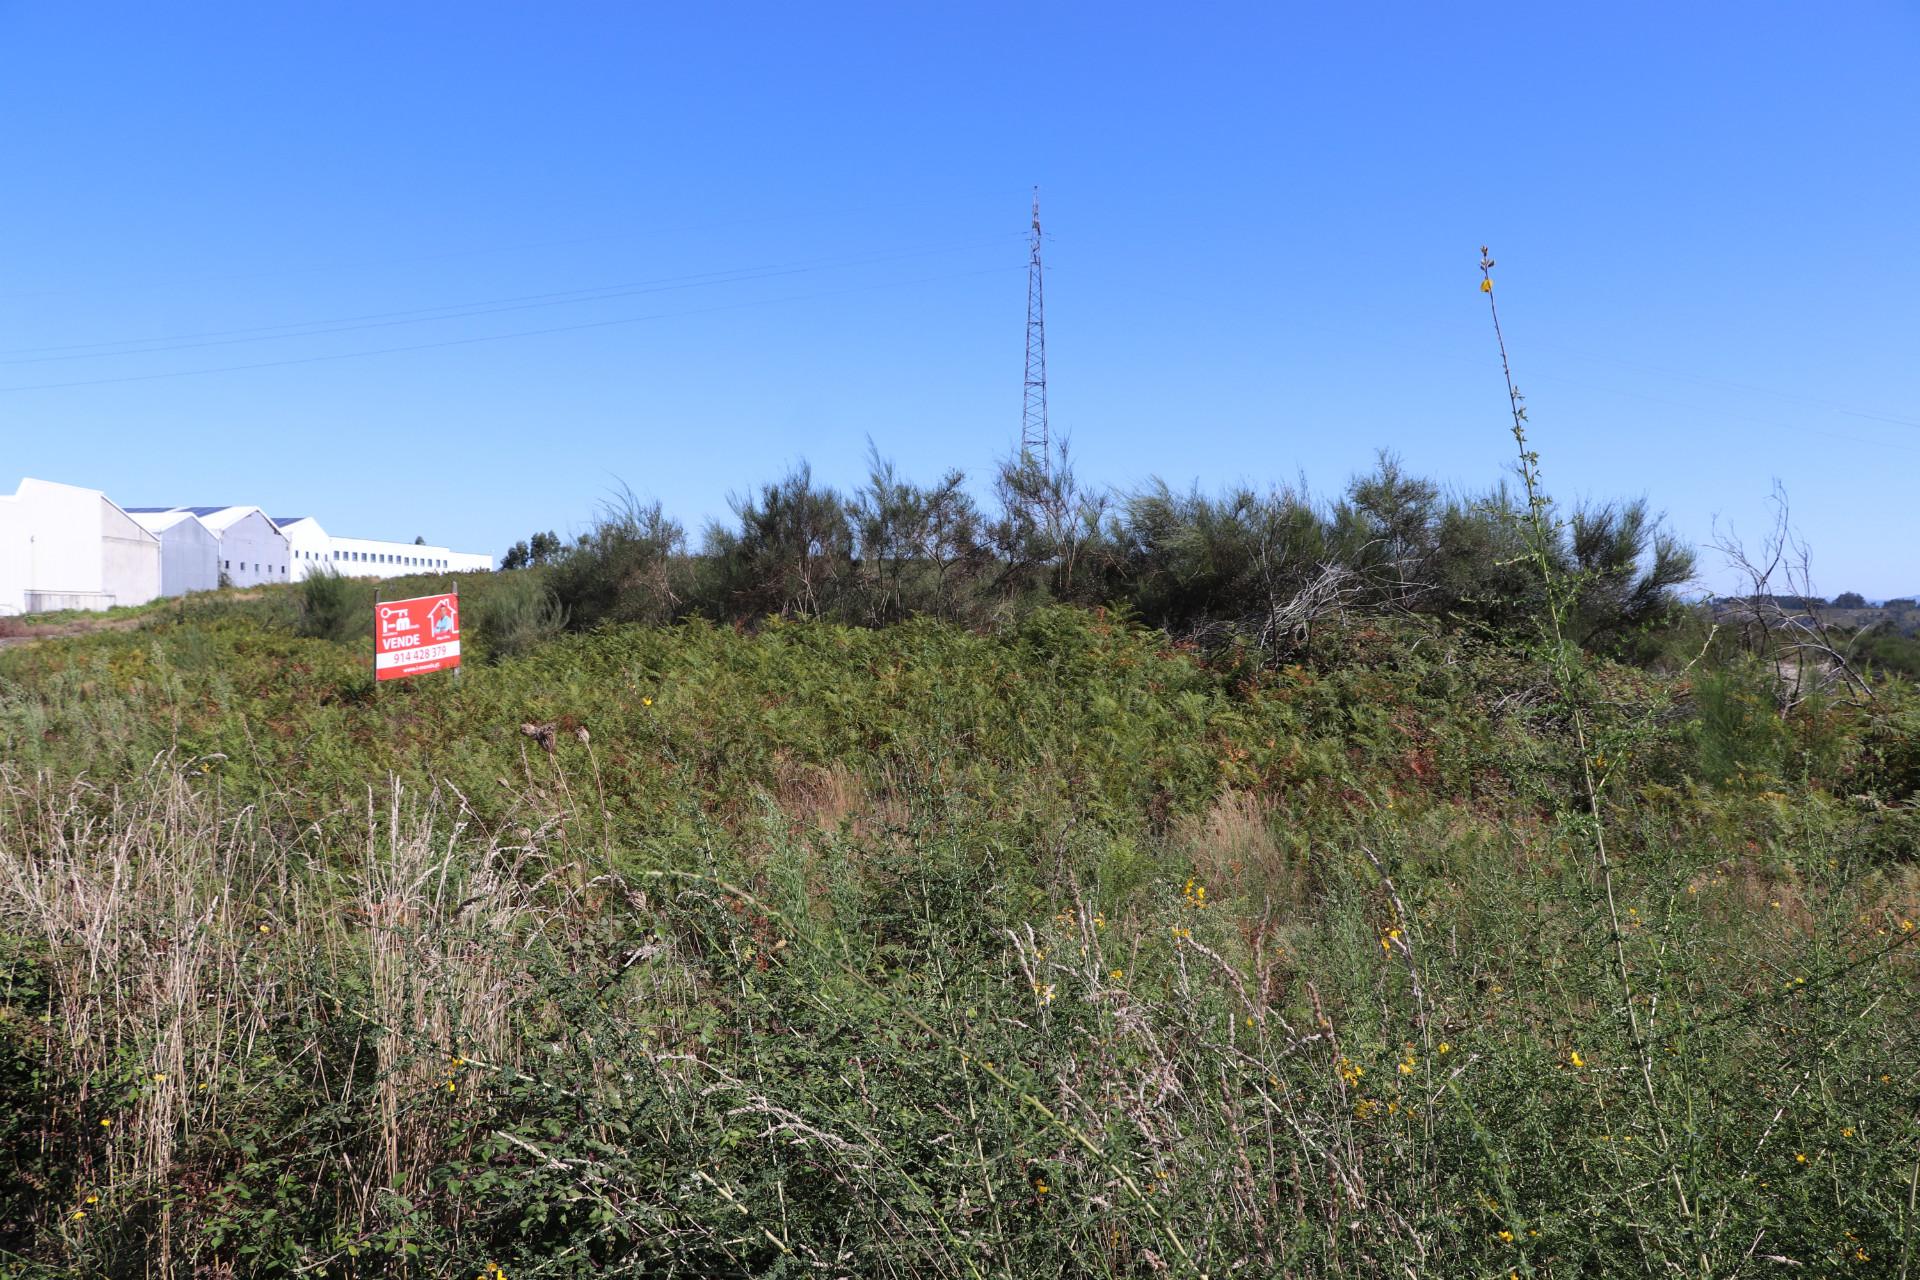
<point x="1900" y="613"/>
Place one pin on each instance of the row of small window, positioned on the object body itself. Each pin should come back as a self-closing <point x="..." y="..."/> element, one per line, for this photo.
<point x="257" y="567"/>
<point x="416" y="562"/>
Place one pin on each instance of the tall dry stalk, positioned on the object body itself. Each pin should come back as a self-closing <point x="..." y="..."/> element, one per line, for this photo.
<point x="1561" y="593"/>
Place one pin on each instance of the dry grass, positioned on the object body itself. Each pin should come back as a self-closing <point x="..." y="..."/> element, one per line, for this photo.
<point x="1233" y="846"/>
<point x="176" y="936"/>
<point x="819" y="797"/>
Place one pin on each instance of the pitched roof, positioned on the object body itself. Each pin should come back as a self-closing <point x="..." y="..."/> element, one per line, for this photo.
<point x="157" y="519"/>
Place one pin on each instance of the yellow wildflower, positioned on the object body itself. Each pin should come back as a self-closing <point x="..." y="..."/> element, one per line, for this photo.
<point x="1576" y="1059"/>
<point x="1799" y="1157"/>
<point x="1443" y="1048"/>
<point x="1486" y="284"/>
<point x="1506" y="1237"/>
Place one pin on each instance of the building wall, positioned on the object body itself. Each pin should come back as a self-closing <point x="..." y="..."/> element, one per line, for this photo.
<point x="63" y="528"/>
<point x="64" y="547"/>
<point x="308" y="545"/>
<point x="129" y="557"/>
<point x="13" y="557"/>
<point x="375" y="558"/>
<point x="189" y="556"/>
<point x="254" y="551"/>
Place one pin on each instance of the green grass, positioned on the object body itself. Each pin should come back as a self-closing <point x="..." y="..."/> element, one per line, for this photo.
<point x="1056" y="950"/>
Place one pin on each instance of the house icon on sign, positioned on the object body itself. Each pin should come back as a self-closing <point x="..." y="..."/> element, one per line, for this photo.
<point x="440" y="617"/>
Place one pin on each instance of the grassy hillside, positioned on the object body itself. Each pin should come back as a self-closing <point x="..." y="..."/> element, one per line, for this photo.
<point x="1057" y="949"/>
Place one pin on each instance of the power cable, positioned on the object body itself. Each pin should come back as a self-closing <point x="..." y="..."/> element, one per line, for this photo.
<point x="782" y="217"/>
<point x="501" y="337"/>
<point x="462" y="310"/>
<point x="1708" y="380"/>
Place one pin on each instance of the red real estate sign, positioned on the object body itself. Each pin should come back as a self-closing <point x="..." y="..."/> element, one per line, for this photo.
<point x="413" y="637"/>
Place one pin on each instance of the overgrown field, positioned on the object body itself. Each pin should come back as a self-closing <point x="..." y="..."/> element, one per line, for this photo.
<point x="1051" y="950"/>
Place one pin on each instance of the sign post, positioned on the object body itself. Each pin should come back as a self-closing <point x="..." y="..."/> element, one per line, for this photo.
<point x="413" y="637"/>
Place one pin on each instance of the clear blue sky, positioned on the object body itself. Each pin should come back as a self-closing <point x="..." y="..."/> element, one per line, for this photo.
<point x="762" y="232"/>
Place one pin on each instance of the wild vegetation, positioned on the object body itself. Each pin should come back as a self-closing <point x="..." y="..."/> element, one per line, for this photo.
<point x="920" y="950"/>
<point x="1242" y="567"/>
<point x="1172" y="885"/>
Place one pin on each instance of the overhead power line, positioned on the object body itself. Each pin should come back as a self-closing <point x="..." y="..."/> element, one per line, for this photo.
<point x="461" y="310"/>
<point x="503" y="337"/>
<point x="761" y="217"/>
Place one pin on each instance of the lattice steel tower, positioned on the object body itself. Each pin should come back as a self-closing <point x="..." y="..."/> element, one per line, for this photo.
<point x="1035" y="443"/>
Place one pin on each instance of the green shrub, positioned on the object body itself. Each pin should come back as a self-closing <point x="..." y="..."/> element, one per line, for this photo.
<point x="518" y="613"/>
<point x="1740" y="735"/>
<point x="332" y="606"/>
<point x="630" y="567"/>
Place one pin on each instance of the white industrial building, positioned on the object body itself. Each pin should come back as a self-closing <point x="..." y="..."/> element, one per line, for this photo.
<point x="370" y="557"/>
<point x="257" y="548"/>
<point x="65" y="547"/>
<point x="307" y="543"/>
<point x="189" y="550"/>
<point x="253" y="551"/>
<point x="252" y="548"/>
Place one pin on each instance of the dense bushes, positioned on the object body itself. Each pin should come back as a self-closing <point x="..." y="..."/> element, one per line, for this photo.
<point x="1257" y="567"/>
